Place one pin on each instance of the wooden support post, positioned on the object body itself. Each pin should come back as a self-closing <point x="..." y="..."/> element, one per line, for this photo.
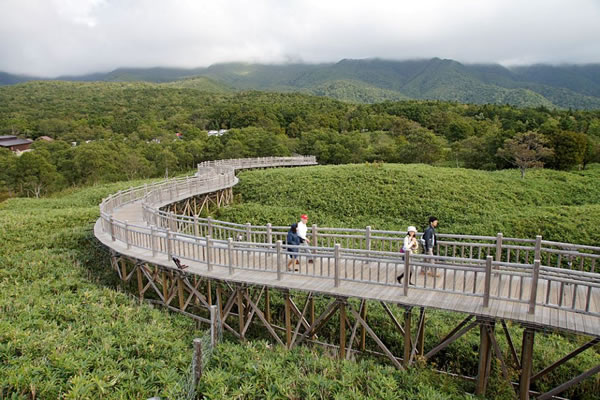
<point x="336" y="272"/>
<point x="248" y="232"/>
<point x="421" y="334"/>
<point x="534" y="286"/>
<point x="140" y="282"/>
<point x="240" y="301"/>
<point x="342" y="307"/>
<point x="165" y="286"/>
<point x="485" y="358"/>
<point x="268" y="306"/>
<point x="180" y="294"/>
<point x="123" y="269"/>
<point x="407" y="338"/>
<point x="314" y="233"/>
<point x="220" y="301"/>
<point x="526" y="363"/>
<point x="363" y="335"/>
<point x="311" y="311"/>
<point x="499" y="246"/>
<point x="488" y="280"/>
<point x="288" y="321"/>
<point x="368" y="239"/>
<point x="269" y="233"/>
<point x="209" y="294"/>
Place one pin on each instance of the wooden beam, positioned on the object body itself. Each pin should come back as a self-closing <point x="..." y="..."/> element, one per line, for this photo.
<point x="375" y="338"/>
<point x="566" y="385"/>
<point x="261" y="316"/>
<point x="565" y="359"/>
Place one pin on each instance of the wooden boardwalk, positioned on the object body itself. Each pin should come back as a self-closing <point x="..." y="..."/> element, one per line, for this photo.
<point x="539" y="284"/>
<point x="318" y="278"/>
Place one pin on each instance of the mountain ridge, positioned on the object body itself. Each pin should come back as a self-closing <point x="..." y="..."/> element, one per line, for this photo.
<point x="374" y="80"/>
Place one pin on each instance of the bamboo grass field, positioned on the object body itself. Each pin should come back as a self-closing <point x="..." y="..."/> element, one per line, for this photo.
<point x="67" y="332"/>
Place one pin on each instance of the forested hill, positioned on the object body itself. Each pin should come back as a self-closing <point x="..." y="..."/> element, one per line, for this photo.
<point x="376" y="80"/>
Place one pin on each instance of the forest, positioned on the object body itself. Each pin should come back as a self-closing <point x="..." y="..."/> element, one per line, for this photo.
<point x="108" y="132"/>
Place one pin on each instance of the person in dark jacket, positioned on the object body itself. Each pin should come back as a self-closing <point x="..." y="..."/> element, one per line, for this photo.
<point x="293" y="239"/>
<point x="429" y="241"/>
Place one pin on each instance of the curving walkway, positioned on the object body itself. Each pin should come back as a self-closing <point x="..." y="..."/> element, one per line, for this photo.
<point x="535" y="282"/>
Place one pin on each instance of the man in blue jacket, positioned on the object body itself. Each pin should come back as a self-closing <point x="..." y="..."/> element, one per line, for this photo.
<point x="430" y="240"/>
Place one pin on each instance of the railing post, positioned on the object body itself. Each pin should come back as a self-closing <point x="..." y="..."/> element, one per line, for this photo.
<point x="368" y="238"/>
<point x="278" y="248"/>
<point x="538" y="248"/>
<point x="314" y="233"/>
<point x="406" y="272"/>
<point x="208" y="255"/>
<point x="209" y="226"/>
<point x="168" y="243"/>
<point x="127" y="241"/>
<point x="488" y="280"/>
<point x="230" y="254"/>
<point x="248" y="232"/>
<point x="153" y="240"/>
<point x="499" y="246"/>
<point x="534" y="285"/>
<point x="196" y="227"/>
<point x="336" y="254"/>
<point x="112" y="228"/>
<point x="269" y="233"/>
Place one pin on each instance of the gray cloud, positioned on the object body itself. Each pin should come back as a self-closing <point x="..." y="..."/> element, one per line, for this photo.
<point x="57" y="37"/>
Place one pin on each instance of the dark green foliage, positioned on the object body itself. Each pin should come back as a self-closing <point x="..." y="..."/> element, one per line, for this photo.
<point x="129" y="131"/>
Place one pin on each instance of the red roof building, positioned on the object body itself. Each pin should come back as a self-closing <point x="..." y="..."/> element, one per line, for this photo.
<point x="15" y="144"/>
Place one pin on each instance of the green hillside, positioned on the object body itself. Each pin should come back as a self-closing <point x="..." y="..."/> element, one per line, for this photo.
<point x="560" y="206"/>
<point x="201" y="83"/>
<point x="376" y="80"/>
<point x="66" y="332"/>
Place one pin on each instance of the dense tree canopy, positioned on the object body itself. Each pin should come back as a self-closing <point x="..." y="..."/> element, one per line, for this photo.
<point x="114" y="131"/>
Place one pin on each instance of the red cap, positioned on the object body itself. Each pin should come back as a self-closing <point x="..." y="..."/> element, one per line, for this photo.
<point x="304" y="216"/>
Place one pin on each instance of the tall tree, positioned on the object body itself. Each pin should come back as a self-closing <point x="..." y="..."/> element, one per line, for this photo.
<point x="526" y="150"/>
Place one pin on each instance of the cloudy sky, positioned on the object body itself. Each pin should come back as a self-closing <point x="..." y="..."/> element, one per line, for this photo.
<point x="57" y="37"/>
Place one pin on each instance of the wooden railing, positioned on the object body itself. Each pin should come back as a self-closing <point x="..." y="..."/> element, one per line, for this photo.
<point x="466" y="264"/>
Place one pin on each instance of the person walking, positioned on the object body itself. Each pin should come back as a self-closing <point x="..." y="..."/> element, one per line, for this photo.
<point x="294" y="240"/>
<point x="429" y="242"/>
<point x="302" y="233"/>
<point x="411" y="244"/>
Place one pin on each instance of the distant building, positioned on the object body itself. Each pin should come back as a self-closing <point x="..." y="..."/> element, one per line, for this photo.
<point x="46" y="138"/>
<point x="220" y="132"/>
<point x="14" y="143"/>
